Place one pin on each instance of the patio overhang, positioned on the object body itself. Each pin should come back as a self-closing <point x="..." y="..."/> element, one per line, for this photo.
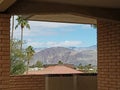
<point x="61" y="18"/>
<point x="77" y="11"/>
<point x="5" y="4"/>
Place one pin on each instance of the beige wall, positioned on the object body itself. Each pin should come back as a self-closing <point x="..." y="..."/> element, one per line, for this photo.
<point x="60" y="83"/>
<point x="83" y="82"/>
<point x="87" y="82"/>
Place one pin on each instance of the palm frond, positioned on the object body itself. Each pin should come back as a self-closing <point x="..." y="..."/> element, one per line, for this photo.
<point x="22" y="22"/>
<point x="16" y="26"/>
<point x="28" y="26"/>
<point x="94" y="26"/>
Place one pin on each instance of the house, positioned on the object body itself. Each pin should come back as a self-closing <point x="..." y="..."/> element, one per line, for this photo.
<point x="56" y="70"/>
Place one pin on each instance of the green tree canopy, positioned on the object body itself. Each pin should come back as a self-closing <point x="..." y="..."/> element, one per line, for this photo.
<point x="89" y="68"/>
<point x="39" y="64"/>
<point x="60" y="62"/>
<point x="17" y="58"/>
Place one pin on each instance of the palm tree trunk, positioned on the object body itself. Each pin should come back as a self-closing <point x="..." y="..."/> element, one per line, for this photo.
<point x="27" y="66"/>
<point x="12" y="27"/>
<point x="12" y="33"/>
<point x="21" y="38"/>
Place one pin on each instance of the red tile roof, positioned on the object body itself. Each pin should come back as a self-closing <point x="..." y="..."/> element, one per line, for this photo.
<point x="57" y="69"/>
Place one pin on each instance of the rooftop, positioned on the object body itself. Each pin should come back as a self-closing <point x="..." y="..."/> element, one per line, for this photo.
<point x="56" y="69"/>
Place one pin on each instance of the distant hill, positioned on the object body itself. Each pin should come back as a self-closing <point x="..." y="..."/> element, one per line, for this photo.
<point x="71" y="55"/>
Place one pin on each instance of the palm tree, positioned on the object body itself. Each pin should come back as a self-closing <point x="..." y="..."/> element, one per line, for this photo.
<point x="60" y="62"/>
<point x="22" y="23"/>
<point x="29" y="53"/>
<point x="94" y="26"/>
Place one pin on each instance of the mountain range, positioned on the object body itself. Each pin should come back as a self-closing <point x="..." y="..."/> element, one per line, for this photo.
<point x="68" y="55"/>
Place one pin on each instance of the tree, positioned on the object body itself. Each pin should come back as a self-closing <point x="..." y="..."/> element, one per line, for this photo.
<point x="89" y="68"/>
<point x="60" y="62"/>
<point x="94" y="26"/>
<point x="22" y="23"/>
<point x="17" y="65"/>
<point x="39" y="64"/>
<point x="29" y="54"/>
<point x="81" y="67"/>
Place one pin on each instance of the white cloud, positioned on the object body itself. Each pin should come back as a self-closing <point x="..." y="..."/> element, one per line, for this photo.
<point x="40" y="28"/>
<point x="85" y="26"/>
<point x="35" y="33"/>
<point x="43" y="29"/>
<point x="55" y="44"/>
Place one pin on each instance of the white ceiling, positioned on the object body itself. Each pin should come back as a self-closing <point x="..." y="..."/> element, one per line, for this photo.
<point x="63" y="18"/>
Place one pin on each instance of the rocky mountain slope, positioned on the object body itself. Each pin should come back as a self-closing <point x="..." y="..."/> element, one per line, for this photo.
<point x="71" y="55"/>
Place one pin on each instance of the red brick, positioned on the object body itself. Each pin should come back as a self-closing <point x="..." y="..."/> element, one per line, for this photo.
<point x="4" y="51"/>
<point x="27" y="82"/>
<point x="108" y="55"/>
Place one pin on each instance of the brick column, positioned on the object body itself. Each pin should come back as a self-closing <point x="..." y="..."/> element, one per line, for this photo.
<point x="108" y="55"/>
<point x="4" y="51"/>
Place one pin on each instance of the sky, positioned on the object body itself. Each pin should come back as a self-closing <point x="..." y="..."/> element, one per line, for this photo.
<point x="52" y="34"/>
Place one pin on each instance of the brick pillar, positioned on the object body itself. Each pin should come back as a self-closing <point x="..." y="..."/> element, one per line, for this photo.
<point x="108" y="55"/>
<point x="4" y="51"/>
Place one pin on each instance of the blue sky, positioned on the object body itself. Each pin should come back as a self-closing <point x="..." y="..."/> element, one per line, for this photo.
<point x="51" y="34"/>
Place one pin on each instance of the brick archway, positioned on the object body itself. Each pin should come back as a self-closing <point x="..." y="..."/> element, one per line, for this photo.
<point x="108" y="54"/>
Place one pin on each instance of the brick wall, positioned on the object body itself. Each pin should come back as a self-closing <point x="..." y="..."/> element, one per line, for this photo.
<point x="108" y="55"/>
<point x="56" y="82"/>
<point x="27" y="82"/>
<point x="4" y="51"/>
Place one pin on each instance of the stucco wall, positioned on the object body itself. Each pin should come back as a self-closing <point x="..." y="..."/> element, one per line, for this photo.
<point x="87" y="82"/>
<point x="75" y="82"/>
<point x="60" y="83"/>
